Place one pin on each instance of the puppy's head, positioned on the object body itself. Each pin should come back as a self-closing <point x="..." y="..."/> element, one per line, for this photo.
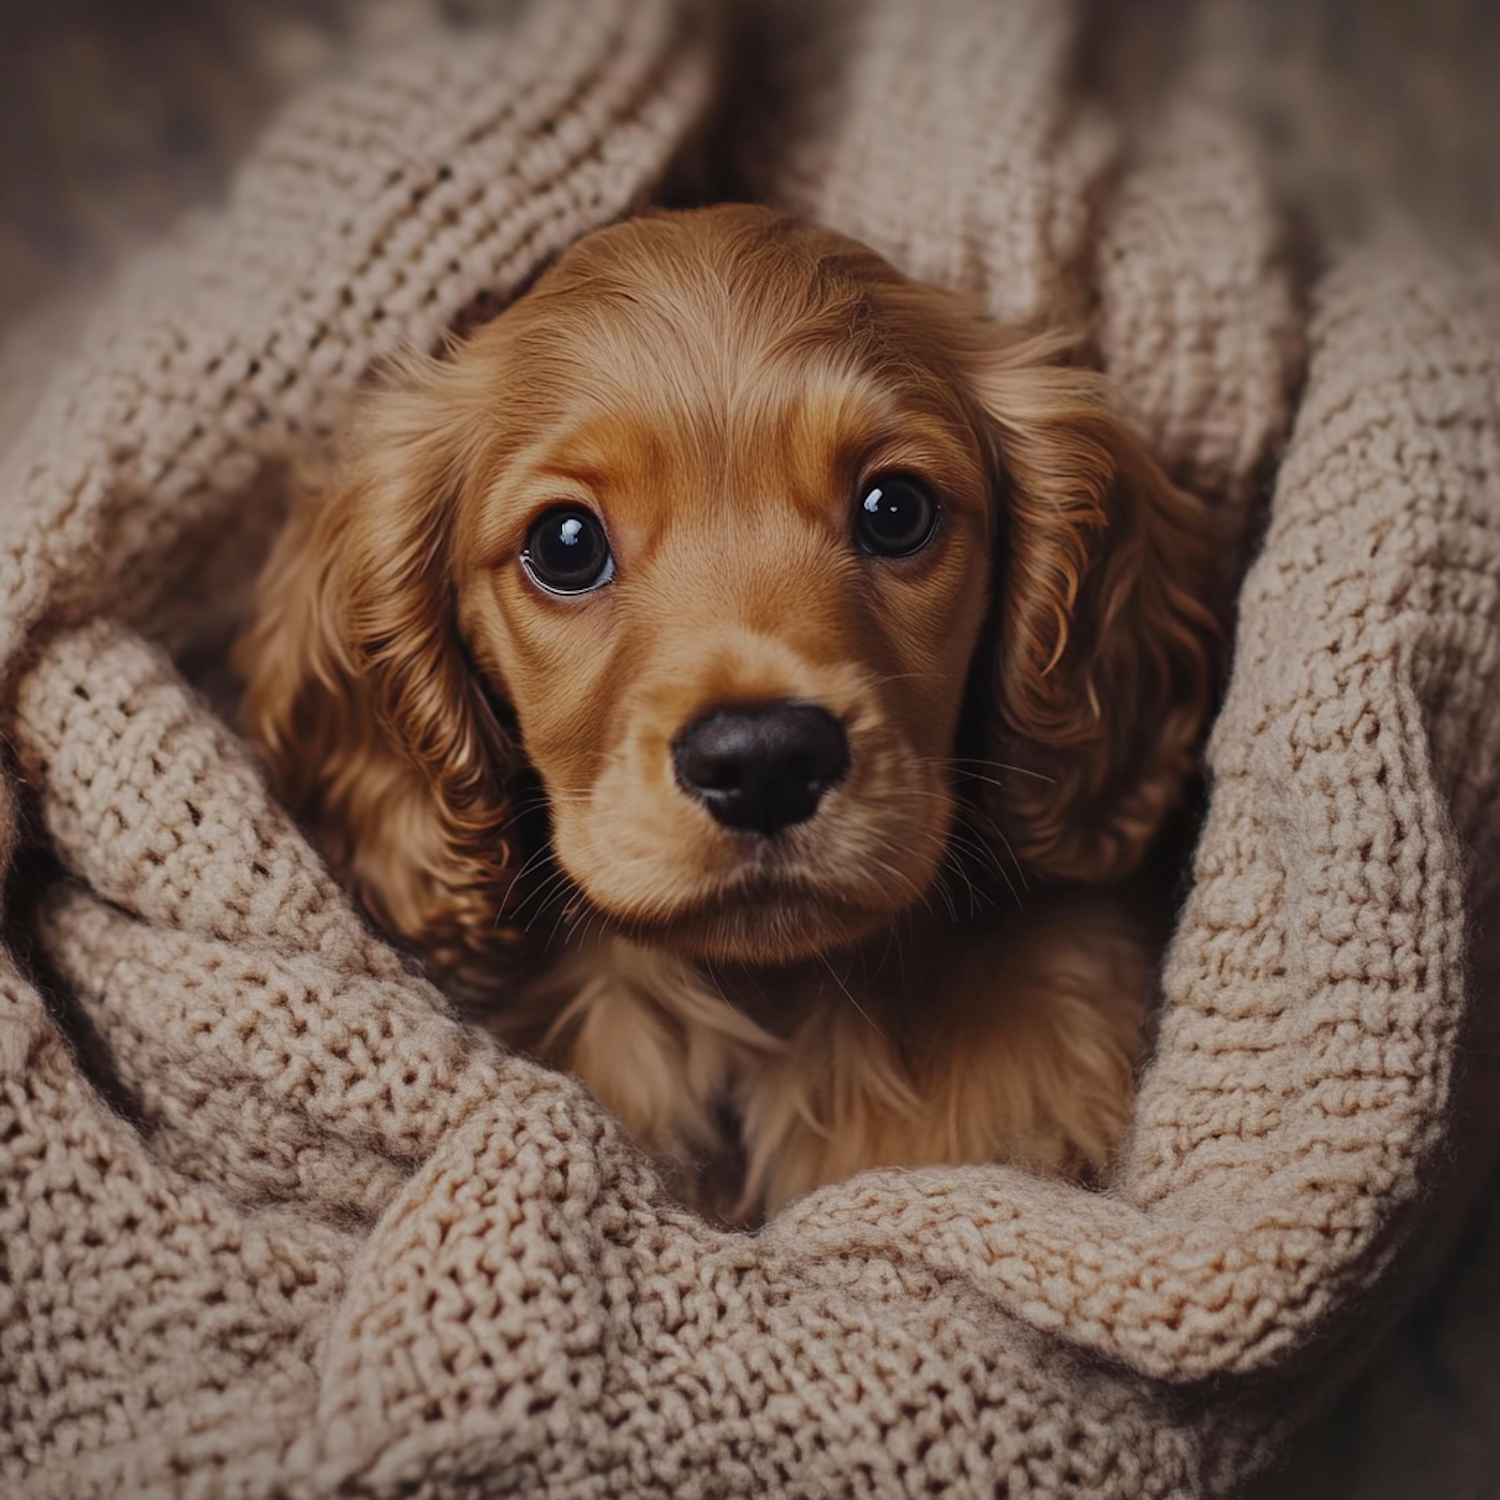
<point x="715" y="533"/>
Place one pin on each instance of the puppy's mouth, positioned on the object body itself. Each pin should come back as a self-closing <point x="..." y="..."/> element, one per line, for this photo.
<point x="759" y="920"/>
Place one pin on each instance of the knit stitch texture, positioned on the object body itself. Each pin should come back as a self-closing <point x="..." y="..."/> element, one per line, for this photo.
<point x="273" y="1221"/>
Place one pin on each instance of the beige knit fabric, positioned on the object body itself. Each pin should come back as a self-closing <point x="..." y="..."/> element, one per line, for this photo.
<point x="280" y="1225"/>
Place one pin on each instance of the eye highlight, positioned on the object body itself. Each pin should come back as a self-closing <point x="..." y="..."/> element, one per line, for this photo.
<point x="567" y="551"/>
<point x="895" y="516"/>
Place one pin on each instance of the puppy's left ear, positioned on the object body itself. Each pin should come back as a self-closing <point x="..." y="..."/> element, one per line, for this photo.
<point x="375" y="728"/>
<point x="1106" y="649"/>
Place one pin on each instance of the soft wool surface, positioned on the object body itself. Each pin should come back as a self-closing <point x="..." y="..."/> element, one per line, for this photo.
<point x="273" y="1222"/>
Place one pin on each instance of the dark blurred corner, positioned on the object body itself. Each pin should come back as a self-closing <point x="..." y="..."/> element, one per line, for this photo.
<point x="1367" y="101"/>
<point x="115" y="115"/>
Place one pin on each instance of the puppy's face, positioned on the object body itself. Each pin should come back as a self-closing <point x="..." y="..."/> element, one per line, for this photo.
<point x="714" y="512"/>
<point x="726" y="553"/>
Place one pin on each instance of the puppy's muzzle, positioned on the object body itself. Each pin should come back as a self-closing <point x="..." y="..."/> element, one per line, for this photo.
<point x="761" y="767"/>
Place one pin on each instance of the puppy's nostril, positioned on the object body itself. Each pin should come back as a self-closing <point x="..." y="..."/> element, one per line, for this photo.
<point x="760" y="767"/>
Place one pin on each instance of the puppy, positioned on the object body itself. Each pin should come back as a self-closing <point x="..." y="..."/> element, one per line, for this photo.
<point x="734" y="666"/>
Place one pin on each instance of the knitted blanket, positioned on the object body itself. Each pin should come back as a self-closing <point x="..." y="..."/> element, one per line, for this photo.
<point x="273" y="1221"/>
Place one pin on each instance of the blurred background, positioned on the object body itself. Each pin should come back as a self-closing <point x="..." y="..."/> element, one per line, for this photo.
<point x="117" y="116"/>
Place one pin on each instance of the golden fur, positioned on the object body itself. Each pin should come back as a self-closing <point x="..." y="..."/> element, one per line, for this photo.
<point x="491" y="766"/>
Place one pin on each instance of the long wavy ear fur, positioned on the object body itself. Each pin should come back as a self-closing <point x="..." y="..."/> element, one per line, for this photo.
<point x="1106" y="650"/>
<point x="377" y="732"/>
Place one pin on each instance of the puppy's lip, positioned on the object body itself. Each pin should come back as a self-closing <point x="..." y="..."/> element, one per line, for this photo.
<point x="761" y="919"/>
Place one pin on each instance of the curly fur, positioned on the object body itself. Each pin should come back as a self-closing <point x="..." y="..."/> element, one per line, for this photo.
<point x="488" y="767"/>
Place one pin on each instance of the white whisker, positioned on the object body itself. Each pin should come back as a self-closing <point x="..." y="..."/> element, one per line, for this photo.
<point x="850" y="998"/>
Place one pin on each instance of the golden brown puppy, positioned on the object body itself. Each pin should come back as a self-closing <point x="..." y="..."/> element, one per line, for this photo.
<point x="810" y="608"/>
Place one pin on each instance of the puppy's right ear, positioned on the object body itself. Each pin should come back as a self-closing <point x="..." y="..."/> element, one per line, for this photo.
<point x="378" y="732"/>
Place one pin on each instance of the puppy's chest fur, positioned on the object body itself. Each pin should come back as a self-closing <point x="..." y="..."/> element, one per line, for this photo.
<point x="928" y="1045"/>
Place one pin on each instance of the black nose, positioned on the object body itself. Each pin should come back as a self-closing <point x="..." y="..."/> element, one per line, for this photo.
<point x="761" y="766"/>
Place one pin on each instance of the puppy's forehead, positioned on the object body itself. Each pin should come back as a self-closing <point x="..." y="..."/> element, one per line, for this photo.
<point x="760" y="267"/>
<point x="733" y="336"/>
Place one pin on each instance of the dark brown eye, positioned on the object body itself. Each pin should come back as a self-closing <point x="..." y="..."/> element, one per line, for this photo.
<point x="567" y="551"/>
<point x="895" y="516"/>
